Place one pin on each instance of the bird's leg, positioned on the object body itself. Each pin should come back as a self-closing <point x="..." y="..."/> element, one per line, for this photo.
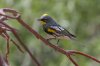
<point x="56" y="38"/>
<point x="58" y="41"/>
<point x="50" y="39"/>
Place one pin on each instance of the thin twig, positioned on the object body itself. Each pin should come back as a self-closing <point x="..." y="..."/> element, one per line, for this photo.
<point x="15" y="15"/>
<point x="84" y="54"/>
<point x="6" y="36"/>
<point x="17" y="45"/>
<point x="2" y="61"/>
<point x="22" y="44"/>
<point x="61" y="50"/>
<point x="71" y="59"/>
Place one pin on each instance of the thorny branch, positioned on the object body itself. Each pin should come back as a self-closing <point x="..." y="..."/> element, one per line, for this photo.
<point x="61" y="50"/>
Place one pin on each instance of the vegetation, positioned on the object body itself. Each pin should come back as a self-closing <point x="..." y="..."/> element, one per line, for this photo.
<point x="79" y="17"/>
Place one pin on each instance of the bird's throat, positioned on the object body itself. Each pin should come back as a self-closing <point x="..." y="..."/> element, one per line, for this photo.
<point x="43" y="23"/>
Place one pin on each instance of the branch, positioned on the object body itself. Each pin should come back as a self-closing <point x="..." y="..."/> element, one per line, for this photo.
<point x="22" y="44"/>
<point x="61" y="50"/>
<point x="17" y="45"/>
<point x="15" y="14"/>
<point x="2" y="61"/>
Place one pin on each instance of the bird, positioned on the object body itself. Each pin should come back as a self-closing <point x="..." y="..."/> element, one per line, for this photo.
<point x="51" y="27"/>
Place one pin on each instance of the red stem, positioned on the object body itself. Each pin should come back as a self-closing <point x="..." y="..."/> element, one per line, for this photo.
<point x="22" y="44"/>
<point x="71" y="59"/>
<point x="2" y="61"/>
<point x="91" y="57"/>
<point x="17" y="46"/>
<point x="61" y="50"/>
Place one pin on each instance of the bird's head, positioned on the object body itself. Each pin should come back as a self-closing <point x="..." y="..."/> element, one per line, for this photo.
<point x="45" y="19"/>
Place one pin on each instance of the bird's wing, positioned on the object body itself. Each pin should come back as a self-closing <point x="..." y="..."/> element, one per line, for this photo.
<point x="60" y="31"/>
<point x="57" y="28"/>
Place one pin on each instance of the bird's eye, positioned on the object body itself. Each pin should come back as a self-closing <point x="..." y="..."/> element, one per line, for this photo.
<point x="44" y="19"/>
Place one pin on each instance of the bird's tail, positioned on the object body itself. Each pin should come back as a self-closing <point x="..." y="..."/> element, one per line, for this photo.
<point x="71" y="36"/>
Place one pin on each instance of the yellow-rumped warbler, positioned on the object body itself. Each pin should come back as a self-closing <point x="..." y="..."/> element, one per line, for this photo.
<point x="52" y="28"/>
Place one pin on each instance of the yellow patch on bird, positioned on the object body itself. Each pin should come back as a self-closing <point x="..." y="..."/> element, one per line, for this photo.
<point x="45" y="15"/>
<point x="43" y="23"/>
<point x="51" y="30"/>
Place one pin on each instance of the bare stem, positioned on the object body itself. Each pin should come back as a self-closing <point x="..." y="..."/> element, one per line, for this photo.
<point x="61" y="50"/>
<point x="2" y="61"/>
<point x="17" y="45"/>
<point x="72" y="60"/>
<point x="22" y="44"/>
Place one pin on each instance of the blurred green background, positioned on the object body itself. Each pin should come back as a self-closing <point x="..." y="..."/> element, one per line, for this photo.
<point x="80" y="17"/>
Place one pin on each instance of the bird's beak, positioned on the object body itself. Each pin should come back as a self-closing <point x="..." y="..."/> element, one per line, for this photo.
<point x="39" y="19"/>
